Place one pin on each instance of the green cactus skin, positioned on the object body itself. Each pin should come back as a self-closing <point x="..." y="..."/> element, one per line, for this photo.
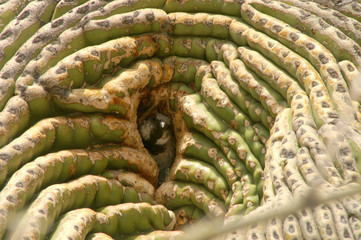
<point x="122" y="101"/>
<point x="208" y="123"/>
<point x="14" y="118"/>
<point x="262" y="96"/>
<point x="123" y="6"/>
<point x="86" y="191"/>
<point x="236" y="197"/>
<point x="241" y="98"/>
<point x="349" y="72"/>
<point x="249" y="170"/>
<point x="64" y="6"/>
<point x="86" y="66"/>
<point x="252" y="58"/>
<point x="59" y="133"/>
<point x="18" y="31"/>
<point x="341" y="46"/>
<point x="31" y="48"/>
<point x="189" y="46"/>
<point x="293" y="88"/>
<point x="11" y="9"/>
<point x="226" y="83"/>
<point x="64" y="165"/>
<point x="99" y="54"/>
<point x="327" y="66"/>
<point x="25" y="25"/>
<point x="130" y="218"/>
<point x="227" y="8"/>
<point x="51" y="54"/>
<point x="184" y="69"/>
<point x="201" y="24"/>
<point x="200" y="173"/>
<point x="221" y="104"/>
<point x="258" y="89"/>
<point x="195" y="145"/>
<point x="269" y="72"/>
<point x="351" y="9"/>
<point x="131" y="179"/>
<point x="187" y="215"/>
<point x="346" y="24"/>
<point x="262" y="132"/>
<point x="115" y="26"/>
<point x="175" y="194"/>
<point x="75" y="224"/>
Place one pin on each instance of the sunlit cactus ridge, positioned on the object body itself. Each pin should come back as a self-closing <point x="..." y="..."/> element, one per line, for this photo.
<point x="247" y="108"/>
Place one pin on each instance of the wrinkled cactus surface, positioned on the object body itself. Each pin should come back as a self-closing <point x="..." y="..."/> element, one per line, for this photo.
<point x="262" y="100"/>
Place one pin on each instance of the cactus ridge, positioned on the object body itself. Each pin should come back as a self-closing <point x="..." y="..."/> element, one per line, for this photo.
<point x="264" y="99"/>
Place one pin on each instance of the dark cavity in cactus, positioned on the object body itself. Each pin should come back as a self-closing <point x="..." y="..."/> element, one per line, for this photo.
<point x="134" y="119"/>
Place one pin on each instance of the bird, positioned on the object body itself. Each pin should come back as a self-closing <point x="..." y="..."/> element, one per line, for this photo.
<point x="158" y="139"/>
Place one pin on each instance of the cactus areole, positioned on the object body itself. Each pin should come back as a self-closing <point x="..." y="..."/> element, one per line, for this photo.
<point x="132" y="119"/>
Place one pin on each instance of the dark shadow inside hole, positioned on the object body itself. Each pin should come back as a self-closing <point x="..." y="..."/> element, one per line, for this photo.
<point x="156" y="129"/>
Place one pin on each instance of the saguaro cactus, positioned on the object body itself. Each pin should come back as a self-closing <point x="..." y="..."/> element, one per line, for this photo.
<point x="263" y="96"/>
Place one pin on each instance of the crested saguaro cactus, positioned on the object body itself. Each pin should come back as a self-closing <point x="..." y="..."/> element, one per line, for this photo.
<point x="263" y="97"/>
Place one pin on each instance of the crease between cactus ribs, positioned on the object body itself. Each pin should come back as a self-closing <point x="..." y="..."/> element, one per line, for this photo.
<point x="262" y="111"/>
